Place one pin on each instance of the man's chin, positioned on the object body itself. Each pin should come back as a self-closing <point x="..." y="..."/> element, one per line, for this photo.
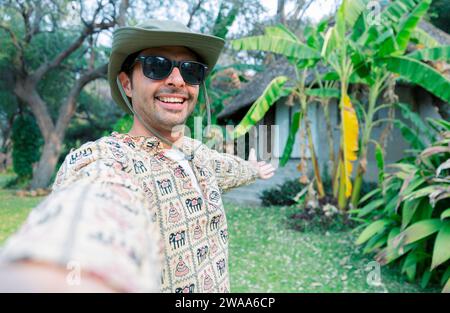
<point x="172" y="124"/>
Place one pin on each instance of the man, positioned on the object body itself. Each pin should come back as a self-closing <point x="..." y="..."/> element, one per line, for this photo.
<point x="140" y="211"/>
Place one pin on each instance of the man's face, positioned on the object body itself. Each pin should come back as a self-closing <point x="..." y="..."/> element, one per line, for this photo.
<point x="158" y="101"/>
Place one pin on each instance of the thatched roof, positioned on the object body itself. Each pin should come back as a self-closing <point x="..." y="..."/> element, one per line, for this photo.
<point x="253" y="89"/>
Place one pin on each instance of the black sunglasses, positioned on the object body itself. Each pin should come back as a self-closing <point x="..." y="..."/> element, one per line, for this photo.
<point x="158" y="67"/>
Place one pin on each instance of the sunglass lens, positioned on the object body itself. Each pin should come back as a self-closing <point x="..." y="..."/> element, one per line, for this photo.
<point x="157" y="67"/>
<point x="192" y="72"/>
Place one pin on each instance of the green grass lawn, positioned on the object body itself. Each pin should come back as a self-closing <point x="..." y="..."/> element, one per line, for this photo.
<point x="265" y="254"/>
<point x="13" y="209"/>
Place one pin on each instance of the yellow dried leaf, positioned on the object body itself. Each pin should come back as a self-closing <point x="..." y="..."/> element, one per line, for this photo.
<point x="350" y="140"/>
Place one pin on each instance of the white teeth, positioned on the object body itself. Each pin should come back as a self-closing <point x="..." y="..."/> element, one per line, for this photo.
<point x="171" y="99"/>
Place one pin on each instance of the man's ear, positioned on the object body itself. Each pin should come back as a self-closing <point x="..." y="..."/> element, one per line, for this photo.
<point x="126" y="83"/>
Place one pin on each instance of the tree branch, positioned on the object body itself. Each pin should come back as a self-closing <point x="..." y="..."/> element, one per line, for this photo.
<point x="89" y="29"/>
<point x="18" y="60"/>
<point x="47" y="66"/>
<point x="122" y="18"/>
<point x="25" y="90"/>
<point x="280" y="12"/>
<point x="305" y="8"/>
<point x="193" y="11"/>
<point x="68" y="109"/>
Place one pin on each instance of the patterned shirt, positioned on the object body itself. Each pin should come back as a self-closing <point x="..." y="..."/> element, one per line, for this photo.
<point x="125" y="212"/>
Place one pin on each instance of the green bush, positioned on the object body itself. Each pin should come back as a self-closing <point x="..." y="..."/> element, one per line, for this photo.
<point x="283" y="194"/>
<point x="408" y="217"/>
<point x="27" y="140"/>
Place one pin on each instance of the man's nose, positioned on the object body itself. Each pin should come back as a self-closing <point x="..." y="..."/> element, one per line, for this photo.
<point x="175" y="78"/>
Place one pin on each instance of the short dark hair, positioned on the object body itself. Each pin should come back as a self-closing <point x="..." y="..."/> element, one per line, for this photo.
<point x="127" y="65"/>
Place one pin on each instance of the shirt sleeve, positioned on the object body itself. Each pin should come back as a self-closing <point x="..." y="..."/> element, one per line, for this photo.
<point x="94" y="222"/>
<point x="232" y="171"/>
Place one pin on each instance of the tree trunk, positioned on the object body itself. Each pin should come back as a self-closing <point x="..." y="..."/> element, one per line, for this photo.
<point x="342" y="199"/>
<point x="280" y="12"/>
<point x="42" y="173"/>
<point x="357" y="186"/>
<point x="315" y="163"/>
<point x="25" y="86"/>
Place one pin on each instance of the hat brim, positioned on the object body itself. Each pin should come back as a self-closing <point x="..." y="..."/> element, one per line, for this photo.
<point x="131" y="39"/>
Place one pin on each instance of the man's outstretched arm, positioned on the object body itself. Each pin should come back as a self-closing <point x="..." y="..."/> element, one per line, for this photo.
<point x="32" y="276"/>
<point x="232" y="171"/>
<point x="94" y="234"/>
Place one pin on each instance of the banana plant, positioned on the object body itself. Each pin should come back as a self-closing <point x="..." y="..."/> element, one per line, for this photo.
<point x="380" y="51"/>
<point x="280" y="40"/>
<point x="323" y="95"/>
<point x="355" y="51"/>
<point x="337" y="53"/>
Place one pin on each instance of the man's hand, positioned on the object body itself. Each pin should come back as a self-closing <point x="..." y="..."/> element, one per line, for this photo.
<point x="266" y="170"/>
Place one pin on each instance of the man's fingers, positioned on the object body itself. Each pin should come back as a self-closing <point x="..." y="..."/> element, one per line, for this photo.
<point x="267" y="166"/>
<point x="266" y="176"/>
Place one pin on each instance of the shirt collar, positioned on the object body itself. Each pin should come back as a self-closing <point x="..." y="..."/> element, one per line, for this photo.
<point x="153" y="144"/>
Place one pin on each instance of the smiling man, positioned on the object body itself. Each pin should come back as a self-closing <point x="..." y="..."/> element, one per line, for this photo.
<point x="140" y="211"/>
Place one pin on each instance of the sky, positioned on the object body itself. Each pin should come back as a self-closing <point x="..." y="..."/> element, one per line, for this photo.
<point x="316" y="11"/>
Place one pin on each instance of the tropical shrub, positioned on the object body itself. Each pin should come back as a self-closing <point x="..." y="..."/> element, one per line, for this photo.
<point x="407" y="219"/>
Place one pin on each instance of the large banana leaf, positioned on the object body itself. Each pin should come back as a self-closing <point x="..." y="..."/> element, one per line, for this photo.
<point x="271" y="94"/>
<point x="409" y="135"/>
<point x="280" y="45"/>
<point x="416" y="121"/>
<point x="390" y="18"/>
<point x="410" y="23"/>
<point x="396" y="9"/>
<point x="359" y="28"/>
<point x="353" y="10"/>
<point x="330" y="43"/>
<point x="421" y="74"/>
<point x="386" y="43"/>
<point x="312" y="37"/>
<point x="296" y="120"/>
<point x="339" y="28"/>
<point x="350" y="132"/>
<point x="441" y="53"/>
<point x="281" y="31"/>
<point x="422" y="37"/>
<point x="347" y="14"/>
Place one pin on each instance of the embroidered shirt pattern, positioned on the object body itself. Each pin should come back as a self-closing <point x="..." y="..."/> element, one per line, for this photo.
<point x="190" y="227"/>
